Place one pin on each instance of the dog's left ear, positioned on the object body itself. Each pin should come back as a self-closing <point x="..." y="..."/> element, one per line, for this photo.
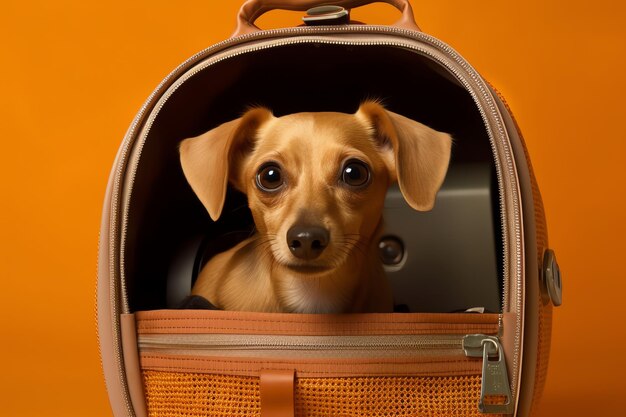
<point x="210" y="160"/>
<point x="419" y="154"/>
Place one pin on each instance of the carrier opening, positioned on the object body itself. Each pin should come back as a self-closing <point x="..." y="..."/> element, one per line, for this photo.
<point x="445" y="260"/>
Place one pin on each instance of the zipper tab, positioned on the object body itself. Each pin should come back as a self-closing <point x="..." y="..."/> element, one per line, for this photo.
<point x="495" y="392"/>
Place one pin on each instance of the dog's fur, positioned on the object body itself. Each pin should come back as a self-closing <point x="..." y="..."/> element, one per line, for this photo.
<point x="262" y="273"/>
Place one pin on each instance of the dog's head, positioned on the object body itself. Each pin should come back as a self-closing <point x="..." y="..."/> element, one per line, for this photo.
<point x="316" y="182"/>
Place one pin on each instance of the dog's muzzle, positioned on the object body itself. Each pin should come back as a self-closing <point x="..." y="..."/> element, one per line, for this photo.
<point x="307" y="242"/>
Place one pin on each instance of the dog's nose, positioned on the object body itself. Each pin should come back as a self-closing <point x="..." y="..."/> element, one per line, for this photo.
<point x="307" y="242"/>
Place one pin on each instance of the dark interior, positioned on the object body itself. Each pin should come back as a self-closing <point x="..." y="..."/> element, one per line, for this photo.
<point x="164" y="212"/>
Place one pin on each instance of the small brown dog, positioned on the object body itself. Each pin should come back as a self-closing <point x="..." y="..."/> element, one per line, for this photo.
<point x="316" y="185"/>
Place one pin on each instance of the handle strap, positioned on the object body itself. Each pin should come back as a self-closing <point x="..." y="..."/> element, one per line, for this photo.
<point x="251" y="10"/>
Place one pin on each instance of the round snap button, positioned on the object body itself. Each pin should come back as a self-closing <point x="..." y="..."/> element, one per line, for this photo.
<point x="552" y="278"/>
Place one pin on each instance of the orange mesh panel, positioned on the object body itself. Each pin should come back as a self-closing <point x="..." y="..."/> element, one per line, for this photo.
<point x="388" y="396"/>
<point x="170" y="394"/>
<point x="194" y="395"/>
<point x="543" y="353"/>
<point x="545" y="310"/>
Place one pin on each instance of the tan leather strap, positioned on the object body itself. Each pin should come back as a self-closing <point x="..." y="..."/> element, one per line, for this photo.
<point x="277" y="393"/>
<point x="251" y="10"/>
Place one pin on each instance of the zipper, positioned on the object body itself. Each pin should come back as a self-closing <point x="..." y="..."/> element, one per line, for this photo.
<point x="267" y="346"/>
<point x="495" y="390"/>
<point x="130" y="152"/>
<point x="495" y="396"/>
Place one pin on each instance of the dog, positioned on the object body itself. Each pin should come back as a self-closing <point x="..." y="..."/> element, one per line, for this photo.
<point x="316" y="186"/>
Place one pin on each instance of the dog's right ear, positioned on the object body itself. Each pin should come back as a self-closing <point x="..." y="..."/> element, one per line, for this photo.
<point x="208" y="160"/>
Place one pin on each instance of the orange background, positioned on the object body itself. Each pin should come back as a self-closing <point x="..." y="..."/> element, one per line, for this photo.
<point x="74" y="74"/>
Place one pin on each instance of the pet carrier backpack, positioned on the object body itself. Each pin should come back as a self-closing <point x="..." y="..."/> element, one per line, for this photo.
<point x="474" y="281"/>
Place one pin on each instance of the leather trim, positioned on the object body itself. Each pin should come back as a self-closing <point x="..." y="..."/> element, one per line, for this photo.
<point x="131" y="365"/>
<point x="277" y="389"/>
<point x="410" y="366"/>
<point x="108" y="339"/>
<point x="514" y="304"/>
<point x="235" y="322"/>
<point x="530" y="334"/>
<point x="508" y="338"/>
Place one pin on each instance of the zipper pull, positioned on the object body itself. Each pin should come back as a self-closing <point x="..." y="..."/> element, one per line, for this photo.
<point x="495" y="391"/>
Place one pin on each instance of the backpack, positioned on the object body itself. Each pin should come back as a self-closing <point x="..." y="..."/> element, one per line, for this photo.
<point x="475" y="286"/>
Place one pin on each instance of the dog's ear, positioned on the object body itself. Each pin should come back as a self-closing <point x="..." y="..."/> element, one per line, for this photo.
<point x="210" y="160"/>
<point x="419" y="154"/>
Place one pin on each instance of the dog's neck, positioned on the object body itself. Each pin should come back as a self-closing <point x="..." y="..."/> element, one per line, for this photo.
<point x="341" y="290"/>
<point x="352" y="287"/>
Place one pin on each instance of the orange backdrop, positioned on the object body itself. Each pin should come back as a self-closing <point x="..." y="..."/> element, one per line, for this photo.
<point x="74" y="74"/>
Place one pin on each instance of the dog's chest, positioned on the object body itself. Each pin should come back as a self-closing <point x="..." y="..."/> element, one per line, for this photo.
<point x="315" y="294"/>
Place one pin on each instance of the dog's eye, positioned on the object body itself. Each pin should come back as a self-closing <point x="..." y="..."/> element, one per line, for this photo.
<point x="269" y="178"/>
<point x="355" y="173"/>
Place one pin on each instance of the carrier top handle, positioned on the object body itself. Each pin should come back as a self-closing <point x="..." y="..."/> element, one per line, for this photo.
<point x="251" y="10"/>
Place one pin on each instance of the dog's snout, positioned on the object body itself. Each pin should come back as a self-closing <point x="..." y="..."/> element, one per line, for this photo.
<point x="307" y="242"/>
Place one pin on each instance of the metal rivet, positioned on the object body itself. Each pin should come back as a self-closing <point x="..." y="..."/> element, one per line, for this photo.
<point x="553" y="285"/>
<point x="327" y="15"/>
<point x="391" y="250"/>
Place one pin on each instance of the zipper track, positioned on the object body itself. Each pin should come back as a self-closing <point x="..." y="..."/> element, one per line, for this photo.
<point x="119" y="296"/>
<point x="299" y="347"/>
<point x="211" y="341"/>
